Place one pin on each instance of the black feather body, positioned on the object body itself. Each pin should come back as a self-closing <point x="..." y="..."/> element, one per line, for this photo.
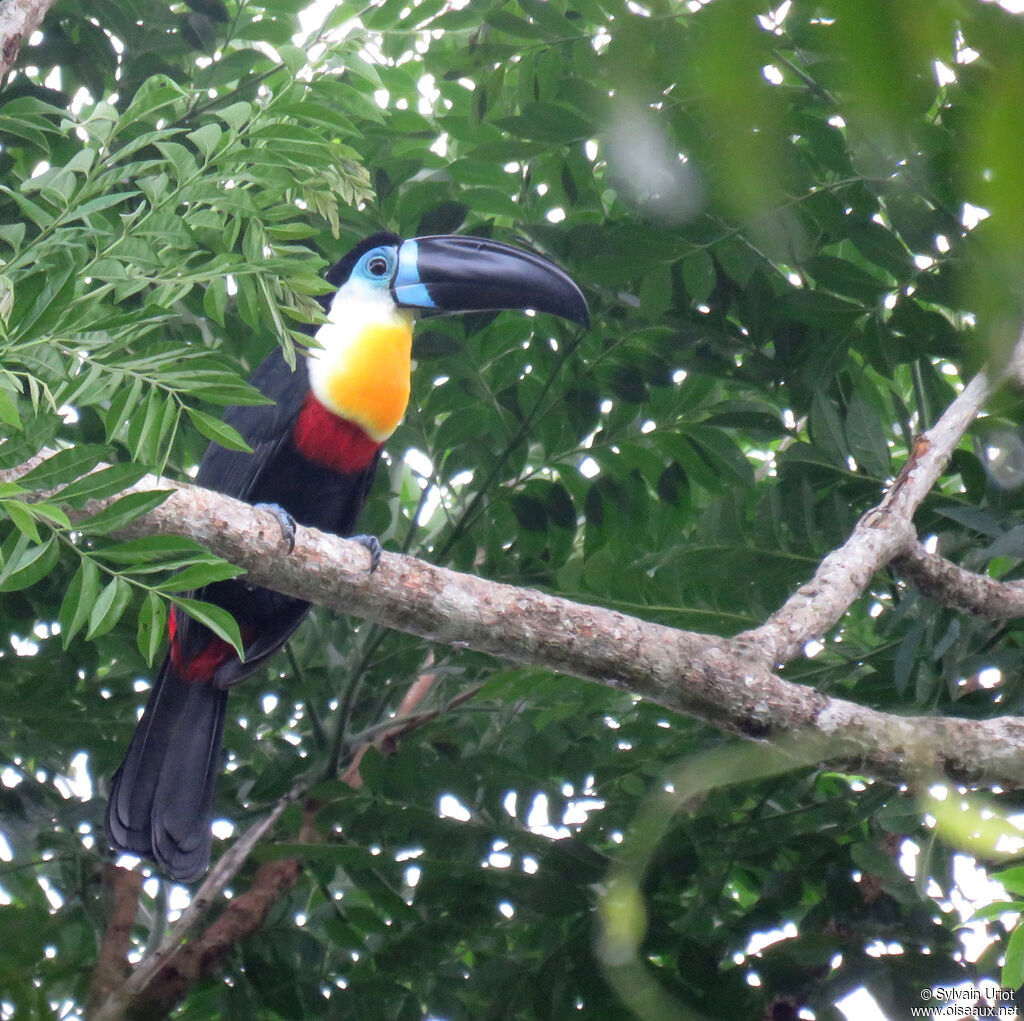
<point x="162" y="797"/>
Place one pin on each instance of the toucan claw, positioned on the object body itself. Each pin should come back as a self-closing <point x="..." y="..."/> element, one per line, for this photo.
<point x="372" y="545"/>
<point x="284" y="519"/>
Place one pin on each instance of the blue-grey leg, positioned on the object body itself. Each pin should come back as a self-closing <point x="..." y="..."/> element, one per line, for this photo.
<point x="284" y="519"/>
<point x="372" y="546"/>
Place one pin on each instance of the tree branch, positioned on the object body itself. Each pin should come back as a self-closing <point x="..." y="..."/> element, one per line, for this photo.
<point x="418" y="691"/>
<point x="724" y="682"/>
<point x="955" y="586"/>
<point x="727" y="683"/>
<point x="166" y="987"/>
<point x="883" y="533"/>
<point x="18" y="20"/>
<point x="163" y="978"/>
<point x="121" y="888"/>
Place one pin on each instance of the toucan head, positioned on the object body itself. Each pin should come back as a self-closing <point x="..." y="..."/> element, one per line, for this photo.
<point x="449" y="273"/>
<point x="360" y="367"/>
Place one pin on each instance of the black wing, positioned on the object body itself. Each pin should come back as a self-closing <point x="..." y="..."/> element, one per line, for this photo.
<point x="265" y="427"/>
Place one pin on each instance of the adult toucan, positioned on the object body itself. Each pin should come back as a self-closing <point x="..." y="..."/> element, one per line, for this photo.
<point x="314" y="454"/>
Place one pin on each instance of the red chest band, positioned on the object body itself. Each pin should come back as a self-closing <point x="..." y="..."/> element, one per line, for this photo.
<point x="324" y="438"/>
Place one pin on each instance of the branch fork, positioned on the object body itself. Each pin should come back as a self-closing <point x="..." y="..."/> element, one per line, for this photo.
<point x="728" y="683"/>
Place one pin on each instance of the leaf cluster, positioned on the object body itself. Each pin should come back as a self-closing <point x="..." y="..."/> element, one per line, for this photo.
<point x="771" y="217"/>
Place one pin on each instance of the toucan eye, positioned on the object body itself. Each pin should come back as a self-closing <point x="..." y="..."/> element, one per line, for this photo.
<point x="378" y="266"/>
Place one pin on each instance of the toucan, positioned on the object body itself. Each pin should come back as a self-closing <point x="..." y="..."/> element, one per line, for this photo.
<point x="314" y="452"/>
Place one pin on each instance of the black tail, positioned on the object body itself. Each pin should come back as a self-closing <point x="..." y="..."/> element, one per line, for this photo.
<point x="161" y="798"/>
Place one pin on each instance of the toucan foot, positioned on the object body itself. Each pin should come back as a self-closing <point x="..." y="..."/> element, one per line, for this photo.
<point x="284" y="519"/>
<point x="372" y="546"/>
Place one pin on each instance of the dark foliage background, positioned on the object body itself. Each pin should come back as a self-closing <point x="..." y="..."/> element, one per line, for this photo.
<point x="779" y="221"/>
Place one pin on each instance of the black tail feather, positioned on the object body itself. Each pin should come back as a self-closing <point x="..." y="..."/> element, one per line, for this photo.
<point x="162" y="797"/>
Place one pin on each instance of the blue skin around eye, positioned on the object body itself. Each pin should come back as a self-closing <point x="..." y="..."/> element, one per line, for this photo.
<point x="363" y="268"/>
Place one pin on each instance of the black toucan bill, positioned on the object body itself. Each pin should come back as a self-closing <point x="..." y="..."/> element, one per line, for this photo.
<point x="315" y="450"/>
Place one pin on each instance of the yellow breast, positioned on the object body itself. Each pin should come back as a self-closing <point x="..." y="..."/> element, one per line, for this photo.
<point x="366" y="380"/>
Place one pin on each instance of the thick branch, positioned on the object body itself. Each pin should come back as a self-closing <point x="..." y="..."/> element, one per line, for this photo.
<point x="18" y="20"/>
<point x="720" y="681"/>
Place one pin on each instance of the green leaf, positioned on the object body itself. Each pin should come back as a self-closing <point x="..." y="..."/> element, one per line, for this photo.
<point x="529" y="512"/>
<point x="724" y="454"/>
<point x="21" y="515"/>
<point x="555" y="21"/>
<point x="235" y="115"/>
<point x="221" y="388"/>
<point x="65" y="465"/>
<point x="215" y="299"/>
<point x="294" y="58"/>
<point x="1012" y="976"/>
<point x="993" y="911"/>
<point x="818" y="308"/>
<point x="101" y="202"/>
<point x="126" y="509"/>
<point x="157" y="553"/>
<point x="220" y="432"/>
<point x="154" y="94"/>
<point x="9" y="410"/>
<point x="881" y="247"/>
<point x="147" y="431"/>
<point x="109" y="607"/>
<point x="154" y="187"/>
<point x="185" y="168"/>
<point x="6" y="298"/>
<point x="216" y="618"/>
<point x="49" y="305"/>
<point x="152" y="626"/>
<point x="846" y="278"/>
<point x="13" y="234"/>
<point x="509" y="23"/>
<point x="198" y="575"/>
<point x="50" y="512"/>
<point x="78" y="600"/>
<point x="41" y="217"/>
<point x="548" y="122"/>
<point x="865" y="436"/>
<point x="699" y="275"/>
<point x="1012" y="879"/>
<point x="122" y="408"/>
<point x="206" y="139"/>
<point x="29" y="563"/>
<point x="826" y="426"/>
<point x="100" y="484"/>
<point x="253" y="242"/>
<point x="163" y="550"/>
<point x="248" y="306"/>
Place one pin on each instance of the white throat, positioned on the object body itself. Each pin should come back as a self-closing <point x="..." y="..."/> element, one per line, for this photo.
<point x="362" y="367"/>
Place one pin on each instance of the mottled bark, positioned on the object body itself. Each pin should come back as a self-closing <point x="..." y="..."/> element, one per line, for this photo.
<point x="18" y="20"/>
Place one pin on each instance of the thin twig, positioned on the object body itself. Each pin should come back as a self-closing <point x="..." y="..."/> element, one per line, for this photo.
<point x="225" y="869"/>
<point x="883" y="533"/>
